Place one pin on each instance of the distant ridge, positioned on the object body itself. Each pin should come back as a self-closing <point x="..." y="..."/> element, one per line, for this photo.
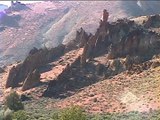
<point x="3" y="7"/>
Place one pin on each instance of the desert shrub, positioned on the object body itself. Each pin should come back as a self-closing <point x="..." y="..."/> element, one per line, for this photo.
<point x="106" y="116"/>
<point x="96" y="117"/>
<point x="1" y="114"/>
<point x="72" y="113"/>
<point x="20" y="115"/>
<point x="56" y="115"/>
<point x="13" y="102"/>
<point x="7" y="115"/>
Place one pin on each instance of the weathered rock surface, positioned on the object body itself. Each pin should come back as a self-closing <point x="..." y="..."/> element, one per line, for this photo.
<point x="122" y="38"/>
<point x="114" y="48"/>
<point x="33" y="61"/>
<point x="31" y="80"/>
<point x="17" y="6"/>
<point x="45" y="24"/>
<point x="152" y="21"/>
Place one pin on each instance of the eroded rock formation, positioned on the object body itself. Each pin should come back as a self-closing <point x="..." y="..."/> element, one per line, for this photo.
<point x="105" y="15"/>
<point x="32" y="79"/>
<point x="20" y="72"/>
<point x="114" y="48"/>
<point x="17" y="6"/>
<point x="152" y="21"/>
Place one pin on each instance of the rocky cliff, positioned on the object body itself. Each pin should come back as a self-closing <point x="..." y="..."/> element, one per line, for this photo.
<point x="116" y="47"/>
<point x="35" y="59"/>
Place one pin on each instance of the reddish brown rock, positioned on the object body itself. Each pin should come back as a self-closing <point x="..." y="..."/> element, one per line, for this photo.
<point x="31" y="80"/>
<point x="41" y="57"/>
<point x="105" y="15"/>
<point x="12" y="80"/>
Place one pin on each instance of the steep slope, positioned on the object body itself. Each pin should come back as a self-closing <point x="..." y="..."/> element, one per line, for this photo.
<point x="122" y="93"/>
<point x="108" y="71"/>
<point x="51" y="23"/>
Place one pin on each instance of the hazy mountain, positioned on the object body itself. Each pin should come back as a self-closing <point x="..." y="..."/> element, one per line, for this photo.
<point x="51" y="23"/>
<point x="2" y="7"/>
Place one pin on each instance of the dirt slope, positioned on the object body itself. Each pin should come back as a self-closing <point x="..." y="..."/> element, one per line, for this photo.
<point x="122" y="93"/>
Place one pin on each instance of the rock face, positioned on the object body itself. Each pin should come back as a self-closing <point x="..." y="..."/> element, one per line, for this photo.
<point x="122" y="38"/>
<point x="31" y="80"/>
<point x="114" y="48"/>
<point x="105" y="15"/>
<point x="38" y="25"/>
<point x="33" y="61"/>
<point x="152" y="21"/>
<point x="17" y="6"/>
<point x="11" y="80"/>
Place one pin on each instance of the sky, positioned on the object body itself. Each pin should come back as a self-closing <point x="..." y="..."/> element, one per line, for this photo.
<point x="8" y="3"/>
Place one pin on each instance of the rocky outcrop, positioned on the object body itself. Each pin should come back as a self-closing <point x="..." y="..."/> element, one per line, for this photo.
<point x="92" y="44"/>
<point x="105" y="15"/>
<point x="31" y="80"/>
<point x="12" y="77"/>
<point x="121" y="38"/>
<point x="114" y="48"/>
<point x="17" y="6"/>
<point x="152" y="21"/>
<point x="20" y="72"/>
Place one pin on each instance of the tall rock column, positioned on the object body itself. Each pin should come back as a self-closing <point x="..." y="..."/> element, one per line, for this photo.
<point x="105" y="15"/>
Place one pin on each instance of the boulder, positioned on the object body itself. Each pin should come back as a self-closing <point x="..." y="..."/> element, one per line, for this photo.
<point x="12" y="77"/>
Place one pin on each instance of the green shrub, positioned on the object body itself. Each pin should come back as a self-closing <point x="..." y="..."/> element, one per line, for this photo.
<point x="1" y="114"/>
<point x="19" y="115"/>
<point x="7" y="114"/>
<point x="72" y="113"/>
<point x="106" y="116"/>
<point x="13" y="102"/>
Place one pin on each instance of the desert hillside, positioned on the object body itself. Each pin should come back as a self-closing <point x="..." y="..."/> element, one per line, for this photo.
<point x="114" y="70"/>
<point x="51" y="23"/>
<point x="69" y="63"/>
